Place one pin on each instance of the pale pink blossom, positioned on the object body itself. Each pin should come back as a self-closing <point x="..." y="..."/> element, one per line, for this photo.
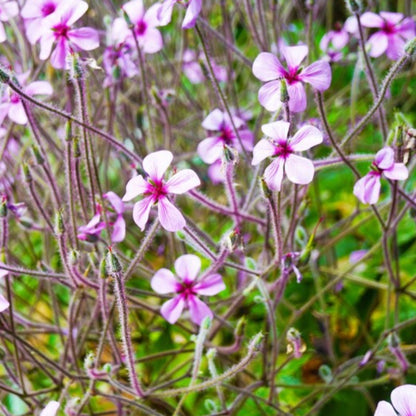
<point x="192" y="68"/>
<point x="92" y="230"/>
<point x="333" y="42"/>
<point x="394" y="31"/>
<point x="50" y="409"/>
<point x="187" y="287"/>
<point x="4" y="304"/>
<point x="367" y="189"/>
<point x="59" y="31"/>
<point x="193" y="9"/>
<point x="8" y="10"/>
<point x="403" y="399"/>
<point x="156" y="190"/>
<point x="282" y="149"/>
<point x="267" y="68"/>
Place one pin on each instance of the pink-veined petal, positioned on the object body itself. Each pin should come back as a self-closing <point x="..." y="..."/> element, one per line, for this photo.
<point x="152" y="41"/>
<point x="404" y="399"/>
<point x="351" y="25"/>
<point x="398" y="172"/>
<point x="182" y="182"/>
<point x="340" y="39"/>
<point x="39" y="88"/>
<point x="155" y="164"/>
<point x="151" y="15"/>
<point x="198" y="310"/>
<point x="277" y="130"/>
<point x="216" y="172"/>
<point x="46" y="42"/>
<point x="172" y="309"/>
<point x="269" y="96"/>
<point x="214" y="120"/>
<point x="378" y="44"/>
<point x="294" y="55"/>
<point x="50" y="409"/>
<point x="58" y="56"/>
<point x="73" y="11"/>
<point x="407" y="28"/>
<point x="85" y="38"/>
<point x="262" y="150"/>
<point x="17" y="113"/>
<point x="395" y="46"/>
<point x="384" y="409"/>
<point x="297" y="97"/>
<point x="141" y="211"/>
<point x="299" y="170"/>
<point x="210" y="149"/>
<point x="134" y="10"/>
<point x="273" y="174"/>
<point x="210" y="286"/>
<point x="247" y="138"/>
<point x="3" y="36"/>
<point x="164" y="282"/>
<point x="318" y="74"/>
<point x="192" y="13"/>
<point x="170" y="217"/>
<point x="9" y="9"/>
<point x="119" y="230"/>
<point x="116" y="201"/>
<point x="367" y="189"/>
<point x="187" y="267"/>
<point x="370" y="19"/>
<point x="164" y="13"/>
<point x="391" y="17"/>
<point x="266" y="67"/>
<point x="135" y="186"/>
<point x="384" y="158"/>
<point x="305" y="138"/>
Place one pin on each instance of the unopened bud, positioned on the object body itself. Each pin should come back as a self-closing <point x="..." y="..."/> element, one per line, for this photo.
<point x="103" y="269"/>
<point x="284" y="95"/>
<point x="354" y="6"/>
<point x="230" y="154"/>
<point x="73" y="257"/>
<point x="127" y="18"/>
<point x="26" y="172"/>
<point x="4" y="76"/>
<point x="3" y="206"/>
<point x="89" y="361"/>
<point x="240" y="328"/>
<point x="113" y="264"/>
<point x="77" y="149"/>
<point x="59" y="223"/>
<point x="267" y="193"/>
<point x="410" y="47"/>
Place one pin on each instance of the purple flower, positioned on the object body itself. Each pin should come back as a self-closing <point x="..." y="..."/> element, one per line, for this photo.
<point x="333" y="41"/>
<point x="404" y="402"/>
<point x="156" y="190"/>
<point x="192" y="68"/>
<point x="50" y="409"/>
<point x="92" y="230"/>
<point x="58" y="30"/>
<point x="394" y="31"/>
<point x="298" y="169"/>
<point x="11" y="104"/>
<point x="4" y="304"/>
<point x="367" y="189"/>
<point x="267" y="68"/>
<point x="8" y="10"/>
<point x="211" y="148"/>
<point x="119" y="225"/>
<point x="144" y="25"/>
<point x="187" y="288"/>
<point x="193" y="9"/>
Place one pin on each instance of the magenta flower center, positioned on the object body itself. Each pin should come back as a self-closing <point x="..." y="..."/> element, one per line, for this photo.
<point x="61" y="30"/>
<point x="283" y="149"/>
<point x="141" y="27"/>
<point x="14" y="98"/>
<point x="47" y="9"/>
<point x="227" y="135"/>
<point x="388" y="28"/>
<point x="157" y="189"/>
<point x="186" y="289"/>
<point x="292" y="76"/>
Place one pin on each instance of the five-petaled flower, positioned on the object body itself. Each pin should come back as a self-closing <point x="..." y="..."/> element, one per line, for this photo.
<point x="298" y="169"/>
<point x="193" y="9"/>
<point x="267" y="68"/>
<point x="333" y="42"/>
<point x="367" y="189"/>
<point x="187" y="288"/>
<point x="404" y="402"/>
<point x="156" y="190"/>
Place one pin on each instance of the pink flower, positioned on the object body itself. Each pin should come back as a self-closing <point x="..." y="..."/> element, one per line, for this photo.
<point x="333" y="41"/>
<point x="298" y="169"/>
<point x="11" y="104"/>
<point x="212" y="148"/>
<point x="92" y="230"/>
<point x="156" y="190"/>
<point x="4" y="304"/>
<point x="144" y="26"/>
<point x="58" y="30"/>
<point x="267" y="68"/>
<point x="404" y="402"/>
<point x="193" y="9"/>
<point x="119" y="225"/>
<point x="50" y="409"/>
<point x="367" y="189"/>
<point x="8" y="10"/>
<point x="394" y="31"/>
<point x="187" y="288"/>
<point x="192" y="68"/>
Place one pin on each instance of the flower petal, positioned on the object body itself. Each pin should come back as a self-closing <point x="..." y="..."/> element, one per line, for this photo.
<point x="269" y="96"/>
<point x="198" y="310"/>
<point x="164" y="13"/>
<point x="318" y="74"/>
<point x="187" y="267"/>
<point x="214" y="120"/>
<point x="170" y="217"/>
<point x="297" y="97"/>
<point x="152" y="41"/>
<point x="50" y="409"/>
<point x="273" y="174"/>
<point x="370" y="19"/>
<point x="367" y="189"/>
<point x="384" y="158"/>
<point x="116" y="201"/>
<point x="403" y="399"/>
<point x="384" y="409"/>
<point x="299" y="170"/>
<point x="266" y="67"/>
<point x="73" y="11"/>
<point x="155" y="164"/>
<point x="17" y="113"/>
<point x="263" y="149"/>
<point x="395" y="47"/>
<point x="210" y="149"/>
<point x="294" y="55"/>
<point x="172" y="309"/>
<point x="210" y="286"/>
<point x="398" y="172"/>
<point x="135" y="186"/>
<point x="39" y="88"/>
<point x="46" y="42"/>
<point x="278" y="130"/>
<point x="85" y="38"/>
<point x="192" y="13"/>
<point x="392" y="17"/>
<point x="378" y="44"/>
<point x="305" y="138"/>
<point x="164" y="282"/>
<point x="141" y="211"/>
<point x="58" y="56"/>
<point x="182" y="182"/>
<point x="134" y="10"/>
<point x="119" y="230"/>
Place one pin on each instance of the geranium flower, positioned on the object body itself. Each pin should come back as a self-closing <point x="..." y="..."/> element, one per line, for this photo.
<point x="92" y="230"/>
<point x="67" y="40"/>
<point x="50" y="409"/>
<point x="211" y="148"/>
<point x="144" y="25"/>
<point x="8" y="10"/>
<point x="4" y="304"/>
<point x="156" y="190"/>
<point x="367" y="189"/>
<point x="192" y="68"/>
<point x="298" y="169"/>
<point x="267" y="68"/>
<point x="187" y="288"/>
<point x="119" y="225"/>
<point x="193" y="9"/>
<point x="333" y="41"/>
<point x="404" y="402"/>
<point x="395" y="31"/>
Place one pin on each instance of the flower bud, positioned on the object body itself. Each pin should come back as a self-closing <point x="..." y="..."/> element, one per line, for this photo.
<point x="26" y="172"/>
<point x="284" y="95"/>
<point x="354" y="6"/>
<point x="59" y="223"/>
<point x="3" y="206"/>
<point x="113" y="264"/>
<point x="410" y="47"/>
<point x="4" y="76"/>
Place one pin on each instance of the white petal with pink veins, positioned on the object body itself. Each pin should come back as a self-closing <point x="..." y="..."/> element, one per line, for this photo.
<point x="187" y="267"/>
